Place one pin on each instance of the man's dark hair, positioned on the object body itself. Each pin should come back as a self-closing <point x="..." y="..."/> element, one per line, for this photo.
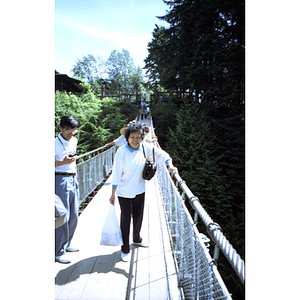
<point x="69" y="121"/>
<point x="134" y="127"/>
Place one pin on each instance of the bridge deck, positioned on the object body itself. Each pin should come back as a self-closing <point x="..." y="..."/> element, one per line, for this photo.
<point x="97" y="272"/>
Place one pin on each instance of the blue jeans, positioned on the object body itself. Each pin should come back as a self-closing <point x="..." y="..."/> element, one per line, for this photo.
<point x="66" y="187"/>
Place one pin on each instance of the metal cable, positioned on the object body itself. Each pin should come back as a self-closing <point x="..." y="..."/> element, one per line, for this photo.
<point x="215" y="232"/>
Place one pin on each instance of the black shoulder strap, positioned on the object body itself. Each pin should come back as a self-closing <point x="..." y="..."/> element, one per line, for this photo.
<point x="145" y="154"/>
<point x="153" y="154"/>
<point x="143" y="150"/>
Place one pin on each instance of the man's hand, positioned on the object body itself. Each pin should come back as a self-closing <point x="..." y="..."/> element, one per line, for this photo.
<point x="67" y="160"/>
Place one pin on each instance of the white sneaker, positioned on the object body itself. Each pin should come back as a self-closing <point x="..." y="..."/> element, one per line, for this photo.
<point x="125" y="256"/>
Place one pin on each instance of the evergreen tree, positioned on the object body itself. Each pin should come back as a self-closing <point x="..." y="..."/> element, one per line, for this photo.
<point x="195" y="151"/>
<point x="161" y="63"/>
<point x="164" y="116"/>
<point x="202" y="50"/>
<point x="208" y="148"/>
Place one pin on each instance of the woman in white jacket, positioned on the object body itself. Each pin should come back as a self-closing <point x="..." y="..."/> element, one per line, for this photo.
<point x="128" y="184"/>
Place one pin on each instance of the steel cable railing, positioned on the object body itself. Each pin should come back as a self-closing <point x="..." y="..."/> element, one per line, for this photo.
<point x="93" y="168"/>
<point x="213" y="229"/>
<point x="196" y="272"/>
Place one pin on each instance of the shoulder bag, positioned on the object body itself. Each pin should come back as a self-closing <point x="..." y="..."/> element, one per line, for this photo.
<point x="150" y="167"/>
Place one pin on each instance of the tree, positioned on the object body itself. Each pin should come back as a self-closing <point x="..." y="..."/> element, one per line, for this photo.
<point x="118" y="72"/>
<point x="160" y="64"/>
<point x="123" y="73"/>
<point x="203" y="50"/>
<point x="99" y="120"/>
<point x="92" y="69"/>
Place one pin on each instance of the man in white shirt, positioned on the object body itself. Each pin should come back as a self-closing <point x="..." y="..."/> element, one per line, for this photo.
<point x="66" y="185"/>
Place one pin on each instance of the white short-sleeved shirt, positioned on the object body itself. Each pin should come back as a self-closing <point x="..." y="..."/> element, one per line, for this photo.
<point x="121" y="141"/>
<point x="62" y="148"/>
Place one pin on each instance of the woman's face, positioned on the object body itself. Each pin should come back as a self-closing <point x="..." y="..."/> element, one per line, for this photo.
<point x="134" y="139"/>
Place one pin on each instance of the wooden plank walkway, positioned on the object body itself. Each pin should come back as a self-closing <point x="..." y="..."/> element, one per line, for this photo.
<point x="97" y="272"/>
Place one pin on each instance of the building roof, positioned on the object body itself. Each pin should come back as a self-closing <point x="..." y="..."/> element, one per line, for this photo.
<point x="65" y="83"/>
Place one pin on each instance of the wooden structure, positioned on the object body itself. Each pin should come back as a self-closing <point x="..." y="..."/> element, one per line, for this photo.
<point x="65" y="83"/>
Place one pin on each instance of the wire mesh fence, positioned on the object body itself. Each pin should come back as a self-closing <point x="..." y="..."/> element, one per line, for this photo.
<point x="197" y="274"/>
<point x="93" y="170"/>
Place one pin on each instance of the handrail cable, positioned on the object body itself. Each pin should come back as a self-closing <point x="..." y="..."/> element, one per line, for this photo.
<point x="90" y="152"/>
<point x="213" y="228"/>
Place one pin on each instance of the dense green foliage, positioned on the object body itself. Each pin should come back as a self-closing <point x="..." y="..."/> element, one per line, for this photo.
<point x="99" y="120"/>
<point x="202" y="52"/>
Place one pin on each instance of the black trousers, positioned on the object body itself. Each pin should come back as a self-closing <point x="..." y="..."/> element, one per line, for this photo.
<point x="131" y="207"/>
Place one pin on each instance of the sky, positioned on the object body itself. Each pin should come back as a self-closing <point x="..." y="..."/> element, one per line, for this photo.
<point x="98" y="27"/>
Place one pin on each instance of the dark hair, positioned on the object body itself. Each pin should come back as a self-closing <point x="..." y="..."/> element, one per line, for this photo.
<point x="134" y="127"/>
<point x="68" y="120"/>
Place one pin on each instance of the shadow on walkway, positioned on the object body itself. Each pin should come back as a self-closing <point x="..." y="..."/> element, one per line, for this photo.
<point x="99" y="264"/>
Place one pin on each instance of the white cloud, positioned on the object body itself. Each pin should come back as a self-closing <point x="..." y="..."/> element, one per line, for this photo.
<point x="135" y="41"/>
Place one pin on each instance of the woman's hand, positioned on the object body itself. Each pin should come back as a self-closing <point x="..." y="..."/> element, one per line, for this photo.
<point x="112" y="198"/>
<point x="172" y="169"/>
<point x="111" y="143"/>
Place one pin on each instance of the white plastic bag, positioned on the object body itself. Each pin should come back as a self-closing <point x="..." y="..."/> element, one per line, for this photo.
<point x="111" y="232"/>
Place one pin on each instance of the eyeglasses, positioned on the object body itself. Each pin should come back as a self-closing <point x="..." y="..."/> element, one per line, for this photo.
<point x="68" y="131"/>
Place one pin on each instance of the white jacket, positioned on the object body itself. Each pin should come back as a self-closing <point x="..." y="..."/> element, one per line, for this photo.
<point x="128" y="167"/>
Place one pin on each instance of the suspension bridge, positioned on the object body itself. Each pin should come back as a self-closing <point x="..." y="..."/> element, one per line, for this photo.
<point x="177" y="264"/>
